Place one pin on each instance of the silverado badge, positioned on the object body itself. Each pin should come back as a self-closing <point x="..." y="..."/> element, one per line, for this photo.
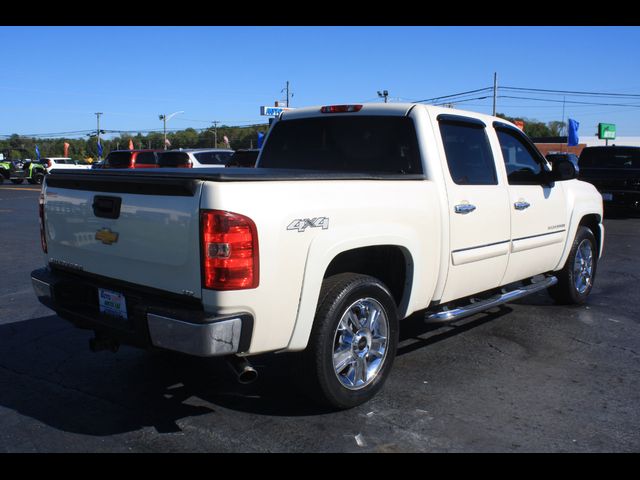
<point x="106" y="236"/>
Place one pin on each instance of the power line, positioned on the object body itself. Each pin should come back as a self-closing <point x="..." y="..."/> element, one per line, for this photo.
<point x="429" y="100"/>
<point x="570" y="92"/>
<point x="571" y="101"/>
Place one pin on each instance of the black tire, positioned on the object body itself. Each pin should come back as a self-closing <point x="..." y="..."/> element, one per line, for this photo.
<point x="369" y="348"/>
<point x="17" y="181"/>
<point x="37" y="178"/>
<point x="575" y="280"/>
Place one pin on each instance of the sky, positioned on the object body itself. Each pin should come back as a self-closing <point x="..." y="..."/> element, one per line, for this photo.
<point x="55" y="78"/>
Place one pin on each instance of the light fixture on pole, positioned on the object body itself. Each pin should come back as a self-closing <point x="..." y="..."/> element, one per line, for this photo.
<point x="383" y="94"/>
<point x="165" y="119"/>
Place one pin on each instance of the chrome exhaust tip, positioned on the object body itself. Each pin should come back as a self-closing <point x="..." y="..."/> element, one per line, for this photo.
<point x="245" y="373"/>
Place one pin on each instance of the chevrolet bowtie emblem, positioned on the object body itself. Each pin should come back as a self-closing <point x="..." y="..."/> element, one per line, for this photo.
<point x="106" y="236"/>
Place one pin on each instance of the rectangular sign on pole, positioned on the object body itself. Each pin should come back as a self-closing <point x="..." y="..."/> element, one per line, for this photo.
<point x="606" y="131"/>
<point x="272" y="111"/>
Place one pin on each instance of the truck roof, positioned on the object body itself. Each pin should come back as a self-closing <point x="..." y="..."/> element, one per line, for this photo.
<point x="394" y="109"/>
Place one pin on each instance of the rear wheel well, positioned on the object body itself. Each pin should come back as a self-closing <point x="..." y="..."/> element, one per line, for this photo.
<point x="390" y="264"/>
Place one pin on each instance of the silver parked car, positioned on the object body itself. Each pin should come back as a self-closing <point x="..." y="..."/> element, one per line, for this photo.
<point x="195" y="158"/>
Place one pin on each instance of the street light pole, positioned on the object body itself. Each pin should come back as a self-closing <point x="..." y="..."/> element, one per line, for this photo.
<point x="98" y="131"/>
<point x="165" y="119"/>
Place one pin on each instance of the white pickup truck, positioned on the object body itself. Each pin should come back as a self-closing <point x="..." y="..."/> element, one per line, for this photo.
<point x="356" y="217"/>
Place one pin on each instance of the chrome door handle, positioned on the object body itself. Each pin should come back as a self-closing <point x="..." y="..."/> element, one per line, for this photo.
<point x="464" y="208"/>
<point x="521" y="205"/>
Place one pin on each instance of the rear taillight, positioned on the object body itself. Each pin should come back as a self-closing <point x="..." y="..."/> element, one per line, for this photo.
<point x="49" y="163"/>
<point x="341" y="108"/>
<point x="229" y="243"/>
<point x="43" y="237"/>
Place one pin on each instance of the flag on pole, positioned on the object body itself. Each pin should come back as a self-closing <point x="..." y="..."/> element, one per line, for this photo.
<point x="37" y="153"/>
<point x="99" y="148"/>
<point x="66" y="149"/>
<point x="260" y="139"/>
<point x="226" y="141"/>
<point x="167" y="142"/>
<point x="131" y="144"/>
<point x="573" y="139"/>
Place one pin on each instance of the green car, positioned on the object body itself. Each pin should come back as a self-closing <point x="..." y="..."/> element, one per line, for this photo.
<point x="18" y="170"/>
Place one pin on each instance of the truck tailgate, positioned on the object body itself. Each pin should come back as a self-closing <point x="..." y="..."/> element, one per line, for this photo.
<point x="144" y="233"/>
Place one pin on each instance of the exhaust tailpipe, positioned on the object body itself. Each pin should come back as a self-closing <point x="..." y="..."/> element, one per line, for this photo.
<point x="242" y="368"/>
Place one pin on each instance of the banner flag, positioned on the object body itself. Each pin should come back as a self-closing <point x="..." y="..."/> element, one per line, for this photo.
<point x="573" y="138"/>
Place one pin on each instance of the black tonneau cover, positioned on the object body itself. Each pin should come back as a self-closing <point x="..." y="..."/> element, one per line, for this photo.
<point x="183" y="182"/>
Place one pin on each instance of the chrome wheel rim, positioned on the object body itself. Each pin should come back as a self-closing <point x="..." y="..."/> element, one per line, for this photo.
<point x="360" y="343"/>
<point x="583" y="267"/>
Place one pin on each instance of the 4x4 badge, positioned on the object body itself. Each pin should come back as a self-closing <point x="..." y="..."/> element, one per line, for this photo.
<point x="301" y="224"/>
<point x="106" y="236"/>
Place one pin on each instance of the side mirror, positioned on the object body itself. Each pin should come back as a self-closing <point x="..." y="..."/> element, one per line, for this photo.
<point x="564" y="169"/>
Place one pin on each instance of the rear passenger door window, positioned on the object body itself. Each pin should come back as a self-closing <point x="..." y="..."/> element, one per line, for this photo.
<point x="468" y="154"/>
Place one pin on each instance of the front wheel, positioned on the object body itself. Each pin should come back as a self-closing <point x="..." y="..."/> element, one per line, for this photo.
<point x="353" y="341"/>
<point x="575" y="280"/>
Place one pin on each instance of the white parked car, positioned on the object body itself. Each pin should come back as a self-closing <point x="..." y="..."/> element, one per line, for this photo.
<point x="51" y="163"/>
<point x="195" y="158"/>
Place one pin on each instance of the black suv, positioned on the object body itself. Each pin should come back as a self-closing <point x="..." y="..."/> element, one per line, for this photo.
<point x="615" y="172"/>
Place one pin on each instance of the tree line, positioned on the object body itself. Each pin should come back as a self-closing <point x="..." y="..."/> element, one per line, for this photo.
<point x="535" y="128"/>
<point x="85" y="148"/>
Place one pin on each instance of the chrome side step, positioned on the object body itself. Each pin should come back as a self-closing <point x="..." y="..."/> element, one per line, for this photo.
<point x="496" y="300"/>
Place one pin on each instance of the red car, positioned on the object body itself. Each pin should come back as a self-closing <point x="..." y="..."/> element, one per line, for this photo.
<point x="132" y="159"/>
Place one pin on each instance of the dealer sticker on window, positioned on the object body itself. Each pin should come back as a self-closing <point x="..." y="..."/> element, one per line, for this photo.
<point x="112" y="303"/>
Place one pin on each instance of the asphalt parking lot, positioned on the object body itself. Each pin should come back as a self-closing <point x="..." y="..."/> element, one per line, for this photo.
<point x="528" y="377"/>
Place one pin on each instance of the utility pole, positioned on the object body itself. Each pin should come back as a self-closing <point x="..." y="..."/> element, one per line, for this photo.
<point x="215" y="132"/>
<point x="287" y="93"/>
<point x="98" y="131"/>
<point x="495" y="91"/>
<point x="563" y="101"/>
<point x="286" y="90"/>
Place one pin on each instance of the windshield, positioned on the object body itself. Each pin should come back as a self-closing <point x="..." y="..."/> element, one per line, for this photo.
<point x="213" y="158"/>
<point x="118" y="160"/>
<point x="612" y="157"/>
<point x="349" y="143"/>
<point x="173" y="159"/>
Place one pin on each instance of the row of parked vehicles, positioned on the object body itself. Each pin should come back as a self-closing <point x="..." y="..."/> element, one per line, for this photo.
<point x="182" y="158"/>
<point x="614" y="170"/>
<point x="19" y="170"/>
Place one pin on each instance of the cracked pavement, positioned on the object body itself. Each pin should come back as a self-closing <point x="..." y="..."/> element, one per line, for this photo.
<point x="529" y="376"/>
